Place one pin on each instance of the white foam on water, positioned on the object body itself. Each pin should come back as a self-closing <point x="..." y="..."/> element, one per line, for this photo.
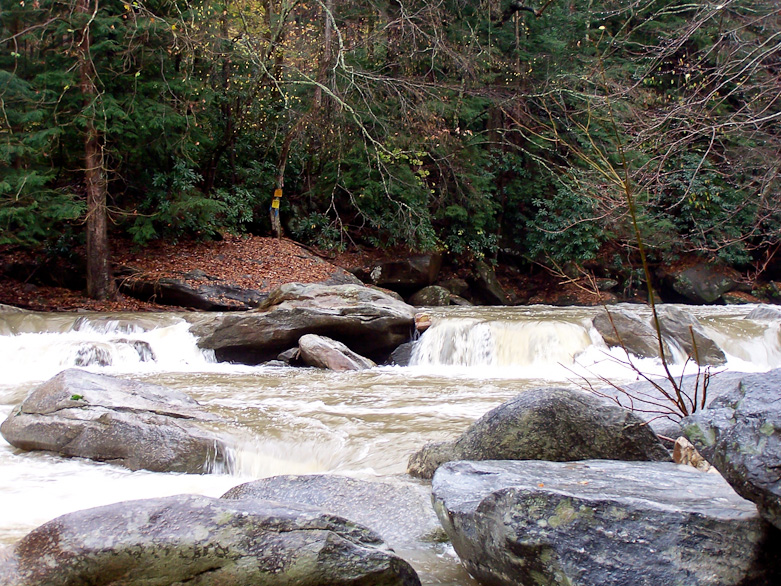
<point x="110" y="348"/>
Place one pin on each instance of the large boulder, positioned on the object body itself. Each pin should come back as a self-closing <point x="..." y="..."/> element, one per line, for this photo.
<point x="323" y="352"/>
<point x="765" y="313"/>
<point x="701" y="283"/>
<point x="431" y="296"/>
<point x="622" y="329"/>
<point x="548" y="424"/>
<point x="403" y="275"/>
<point x="365" y="319"/>
<point x="202" y="541"/>
<point x="136" y="425"/>
<point x="602" y="523"/>
<point x="399" y="513"/>
<point x="739" y="433"/>
<point x="688" y="332"/>
<point x="485" y="287"/>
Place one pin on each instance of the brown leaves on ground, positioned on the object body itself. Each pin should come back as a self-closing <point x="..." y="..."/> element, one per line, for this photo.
<point x="252" y="262"/>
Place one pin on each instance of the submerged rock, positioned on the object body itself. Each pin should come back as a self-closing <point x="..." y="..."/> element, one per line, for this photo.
<point x="364" y="319"/>
<point x="547" y="424"/>
<point x="402" y="356"/>
<point x="602" y="523"/>
<point x="136" y="425"/>
<point x="324" y="352"/>
<point x="739" y="433"/>
<point x="197" y="540"/>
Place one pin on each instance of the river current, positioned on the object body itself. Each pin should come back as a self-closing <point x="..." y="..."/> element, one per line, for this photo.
<point x="302" y="421"/>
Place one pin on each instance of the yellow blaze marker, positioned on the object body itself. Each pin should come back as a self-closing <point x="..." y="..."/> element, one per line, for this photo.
<point x="275" y="203"/>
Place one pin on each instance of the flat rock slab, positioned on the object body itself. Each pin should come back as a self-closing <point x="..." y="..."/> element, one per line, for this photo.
<point x="602" y="523"/>
<point x="137" y="425"/>
<point x="400" y="513"/>
<point x="547" y="424"/>
<point x="204" y="542"/>
<point x="368" y="321"/>
<point x="740" y="434"/>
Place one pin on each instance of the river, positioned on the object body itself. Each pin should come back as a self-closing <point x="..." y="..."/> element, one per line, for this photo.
<point x="300" y="421"/>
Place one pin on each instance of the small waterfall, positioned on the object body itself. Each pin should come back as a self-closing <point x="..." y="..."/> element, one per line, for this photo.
<point x="465" y="342"/>
<point x="262" y="458"/>
<point x="529" y="343"/>
<point x="36" y="348"/>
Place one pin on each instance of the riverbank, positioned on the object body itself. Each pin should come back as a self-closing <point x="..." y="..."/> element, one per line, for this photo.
<point x="33" y="282"/>
<point x="44" y="281"/>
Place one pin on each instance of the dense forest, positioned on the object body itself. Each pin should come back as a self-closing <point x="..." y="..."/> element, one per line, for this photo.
<point x="552" y="130"/>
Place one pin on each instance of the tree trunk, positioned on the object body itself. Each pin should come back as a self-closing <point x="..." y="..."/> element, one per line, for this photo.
<point x="99" y="282"/>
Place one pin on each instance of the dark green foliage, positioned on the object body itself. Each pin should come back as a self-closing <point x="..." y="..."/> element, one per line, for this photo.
<point x="457" y="125"/>
<point x="565" y="227"/>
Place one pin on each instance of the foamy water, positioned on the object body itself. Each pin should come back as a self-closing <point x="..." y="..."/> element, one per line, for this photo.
<point x="302" y="421"/>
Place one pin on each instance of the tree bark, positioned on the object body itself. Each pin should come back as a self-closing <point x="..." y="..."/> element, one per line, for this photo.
<point x="100" y="284"/>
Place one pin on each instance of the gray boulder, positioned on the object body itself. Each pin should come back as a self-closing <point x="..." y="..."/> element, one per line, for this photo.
<point x="739" y="433"/>
<point x="687" y="331"/>
<point x="622" y="329"/>
<point x="402" y="356"/>
<point x="431" y="296"/>
<point x="400" y="514"/>
<point x="602" y="523"/>
<point x="324" y="352"/>
<point x="765" y="312"/>
<point x="202" y="541"/>
<point x="424" y="462"/>
<point x="365" y="319"/>
<point x="702" y="283"/>
<point x="548" y="424"/>
<point x="403" y="275"/>
<point x="455" y="285"/>
<point x="207" y="294"/>
<point x="485" y="287"/>
<point x="456" y="300"/>
<point x="136" y="425"/>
